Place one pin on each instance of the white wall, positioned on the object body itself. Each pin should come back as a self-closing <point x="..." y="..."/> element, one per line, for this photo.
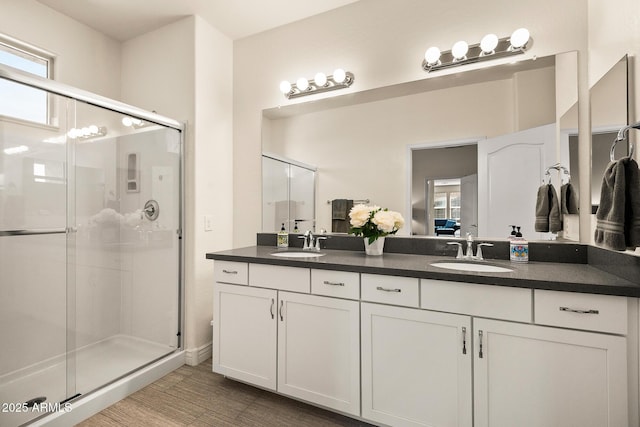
<point x="183" y="70"/>
<point x="212" y="174"/>
<point x="382" y="43"/>
<point x="85" y="58"/>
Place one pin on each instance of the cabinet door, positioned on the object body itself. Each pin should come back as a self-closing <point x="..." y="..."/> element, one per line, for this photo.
<point x="416" y="367"/>
<point x="536" y="376"/>
<point x="244" y="334"/>
<point x="319" y="350"/>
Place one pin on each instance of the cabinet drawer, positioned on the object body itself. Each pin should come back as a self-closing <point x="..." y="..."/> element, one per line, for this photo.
<point x="390" y="290"/>
<point x="603" y="313"/>
<point x="231" y="272"/>
<point x="292" y="279"/>
<point x="339" y="284"/>
<point x="498" y="302"/>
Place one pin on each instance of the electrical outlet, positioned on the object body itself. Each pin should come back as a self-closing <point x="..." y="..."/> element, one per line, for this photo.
<point x="208" y="222"/>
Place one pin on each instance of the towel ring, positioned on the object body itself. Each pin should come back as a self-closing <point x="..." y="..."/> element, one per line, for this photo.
<point x="561" y="169"/>
<point x="622" y="135"/>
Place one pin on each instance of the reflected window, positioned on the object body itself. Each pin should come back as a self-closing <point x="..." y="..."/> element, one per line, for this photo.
<point x="454" y="202"/>
<point x="50" y="172"/>
<point x="19" y="101"/>
<point x="440" y="205"/>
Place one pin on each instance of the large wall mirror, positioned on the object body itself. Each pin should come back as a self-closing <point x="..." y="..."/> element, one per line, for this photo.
<point x="470" y="147"/>
<point x="609" y="113"/>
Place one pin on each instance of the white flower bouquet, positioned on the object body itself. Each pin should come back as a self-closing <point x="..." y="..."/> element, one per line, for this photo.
<point x="373" y="222"/>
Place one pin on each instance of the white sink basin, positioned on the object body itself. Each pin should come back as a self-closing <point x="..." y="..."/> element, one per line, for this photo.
<point x="471" y="266"/>
<point x="297" y="254"/>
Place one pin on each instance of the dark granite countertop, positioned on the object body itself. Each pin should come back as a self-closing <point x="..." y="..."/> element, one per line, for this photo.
<point x="534" y="275"/>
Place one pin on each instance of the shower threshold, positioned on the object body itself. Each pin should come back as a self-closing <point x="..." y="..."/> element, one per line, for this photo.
<point x="96" y="364"/>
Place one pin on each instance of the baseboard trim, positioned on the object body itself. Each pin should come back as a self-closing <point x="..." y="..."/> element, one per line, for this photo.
<point x="195" y="356"/>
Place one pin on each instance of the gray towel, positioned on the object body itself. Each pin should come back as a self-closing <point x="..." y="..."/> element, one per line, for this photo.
<point x="618" y="216"/>
<point x="555" y="216"/>
<point x="542" y="209"/>
<point x="632" y="206"/>
<point x="340" y="209"/>
<point x="547" y="210"/>
<point x="568" y="199"/>
<point x="340" y="215"/>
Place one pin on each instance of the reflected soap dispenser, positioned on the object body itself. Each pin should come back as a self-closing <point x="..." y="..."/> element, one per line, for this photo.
<point x="283" y="238"/>
<point x="519" y="248"/>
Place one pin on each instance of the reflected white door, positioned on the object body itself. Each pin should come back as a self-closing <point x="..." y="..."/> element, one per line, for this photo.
<point x="507" y="188"/>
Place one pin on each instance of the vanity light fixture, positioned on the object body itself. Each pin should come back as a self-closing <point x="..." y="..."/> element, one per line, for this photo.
<point x="321" y="83"/>
<point x="490" y="47"/>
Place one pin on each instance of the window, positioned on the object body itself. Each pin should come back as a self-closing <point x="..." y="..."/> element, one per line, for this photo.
<point x="17" y="100"/>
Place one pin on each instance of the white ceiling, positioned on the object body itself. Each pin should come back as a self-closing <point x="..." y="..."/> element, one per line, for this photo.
<point x="125" y="19"/>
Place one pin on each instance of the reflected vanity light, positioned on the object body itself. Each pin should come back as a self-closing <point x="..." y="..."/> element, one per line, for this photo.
<point x="16" y="150"/>
<point x="132" y="122"/>
<point x="87" y="132"/>
<point x="321" y="83"/>
<point x="490" y="47"/>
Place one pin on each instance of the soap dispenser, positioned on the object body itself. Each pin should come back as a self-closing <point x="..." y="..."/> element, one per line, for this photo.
<point x="519" y="248"/>
<point x="283" y="238"/>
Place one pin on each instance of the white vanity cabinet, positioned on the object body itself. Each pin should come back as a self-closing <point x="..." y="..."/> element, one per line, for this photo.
<point x="319" y="350"/>
<point x="416" y="367"/>
<point x="536" y="376"/>
<point x="244" y="334"/>
<point x="271" y="332"/>
<point x="402" y="351"/>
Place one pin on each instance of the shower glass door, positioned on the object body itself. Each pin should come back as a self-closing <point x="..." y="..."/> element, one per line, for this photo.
<point x="90" y="250"/>
<point x="123" y="246"/>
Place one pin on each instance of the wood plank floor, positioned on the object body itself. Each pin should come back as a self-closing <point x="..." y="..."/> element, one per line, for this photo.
<point x="195" y="396"/>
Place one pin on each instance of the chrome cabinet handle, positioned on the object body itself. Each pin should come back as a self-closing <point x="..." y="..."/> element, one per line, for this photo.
<point x="480" y="353"/>
<point x="573" y="310"/>
<point x="271" y="309"/>
<point x="280" y="311"/>
<point x="464" y="340"/>
<point x="326" y="282"/>
<point x="230" y="271"/>
<point x="380" y="288"/>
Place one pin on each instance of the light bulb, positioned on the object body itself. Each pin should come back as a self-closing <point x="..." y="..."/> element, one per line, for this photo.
<point x="320" y="79"/>
<point x="85" y="131"/>
<point x="339" y="76"/>
<point x="73" y="133"/>
<point x="302" y="84"/>
<point x="93" y="129"/>
<point x="285" y="87"/>
<point x="489" y="43"/>
<point x="432" y="55"/>
<point x="460" y="49"/>
<point x="519" y="38"/>
<point x="127" y="121"/>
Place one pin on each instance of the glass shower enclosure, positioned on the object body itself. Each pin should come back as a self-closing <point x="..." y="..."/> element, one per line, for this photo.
<point x="90" y="245"/>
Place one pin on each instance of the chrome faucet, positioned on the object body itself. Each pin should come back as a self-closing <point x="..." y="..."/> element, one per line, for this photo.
<point x="311" y="241"/>
<point x="469" y="255"/>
